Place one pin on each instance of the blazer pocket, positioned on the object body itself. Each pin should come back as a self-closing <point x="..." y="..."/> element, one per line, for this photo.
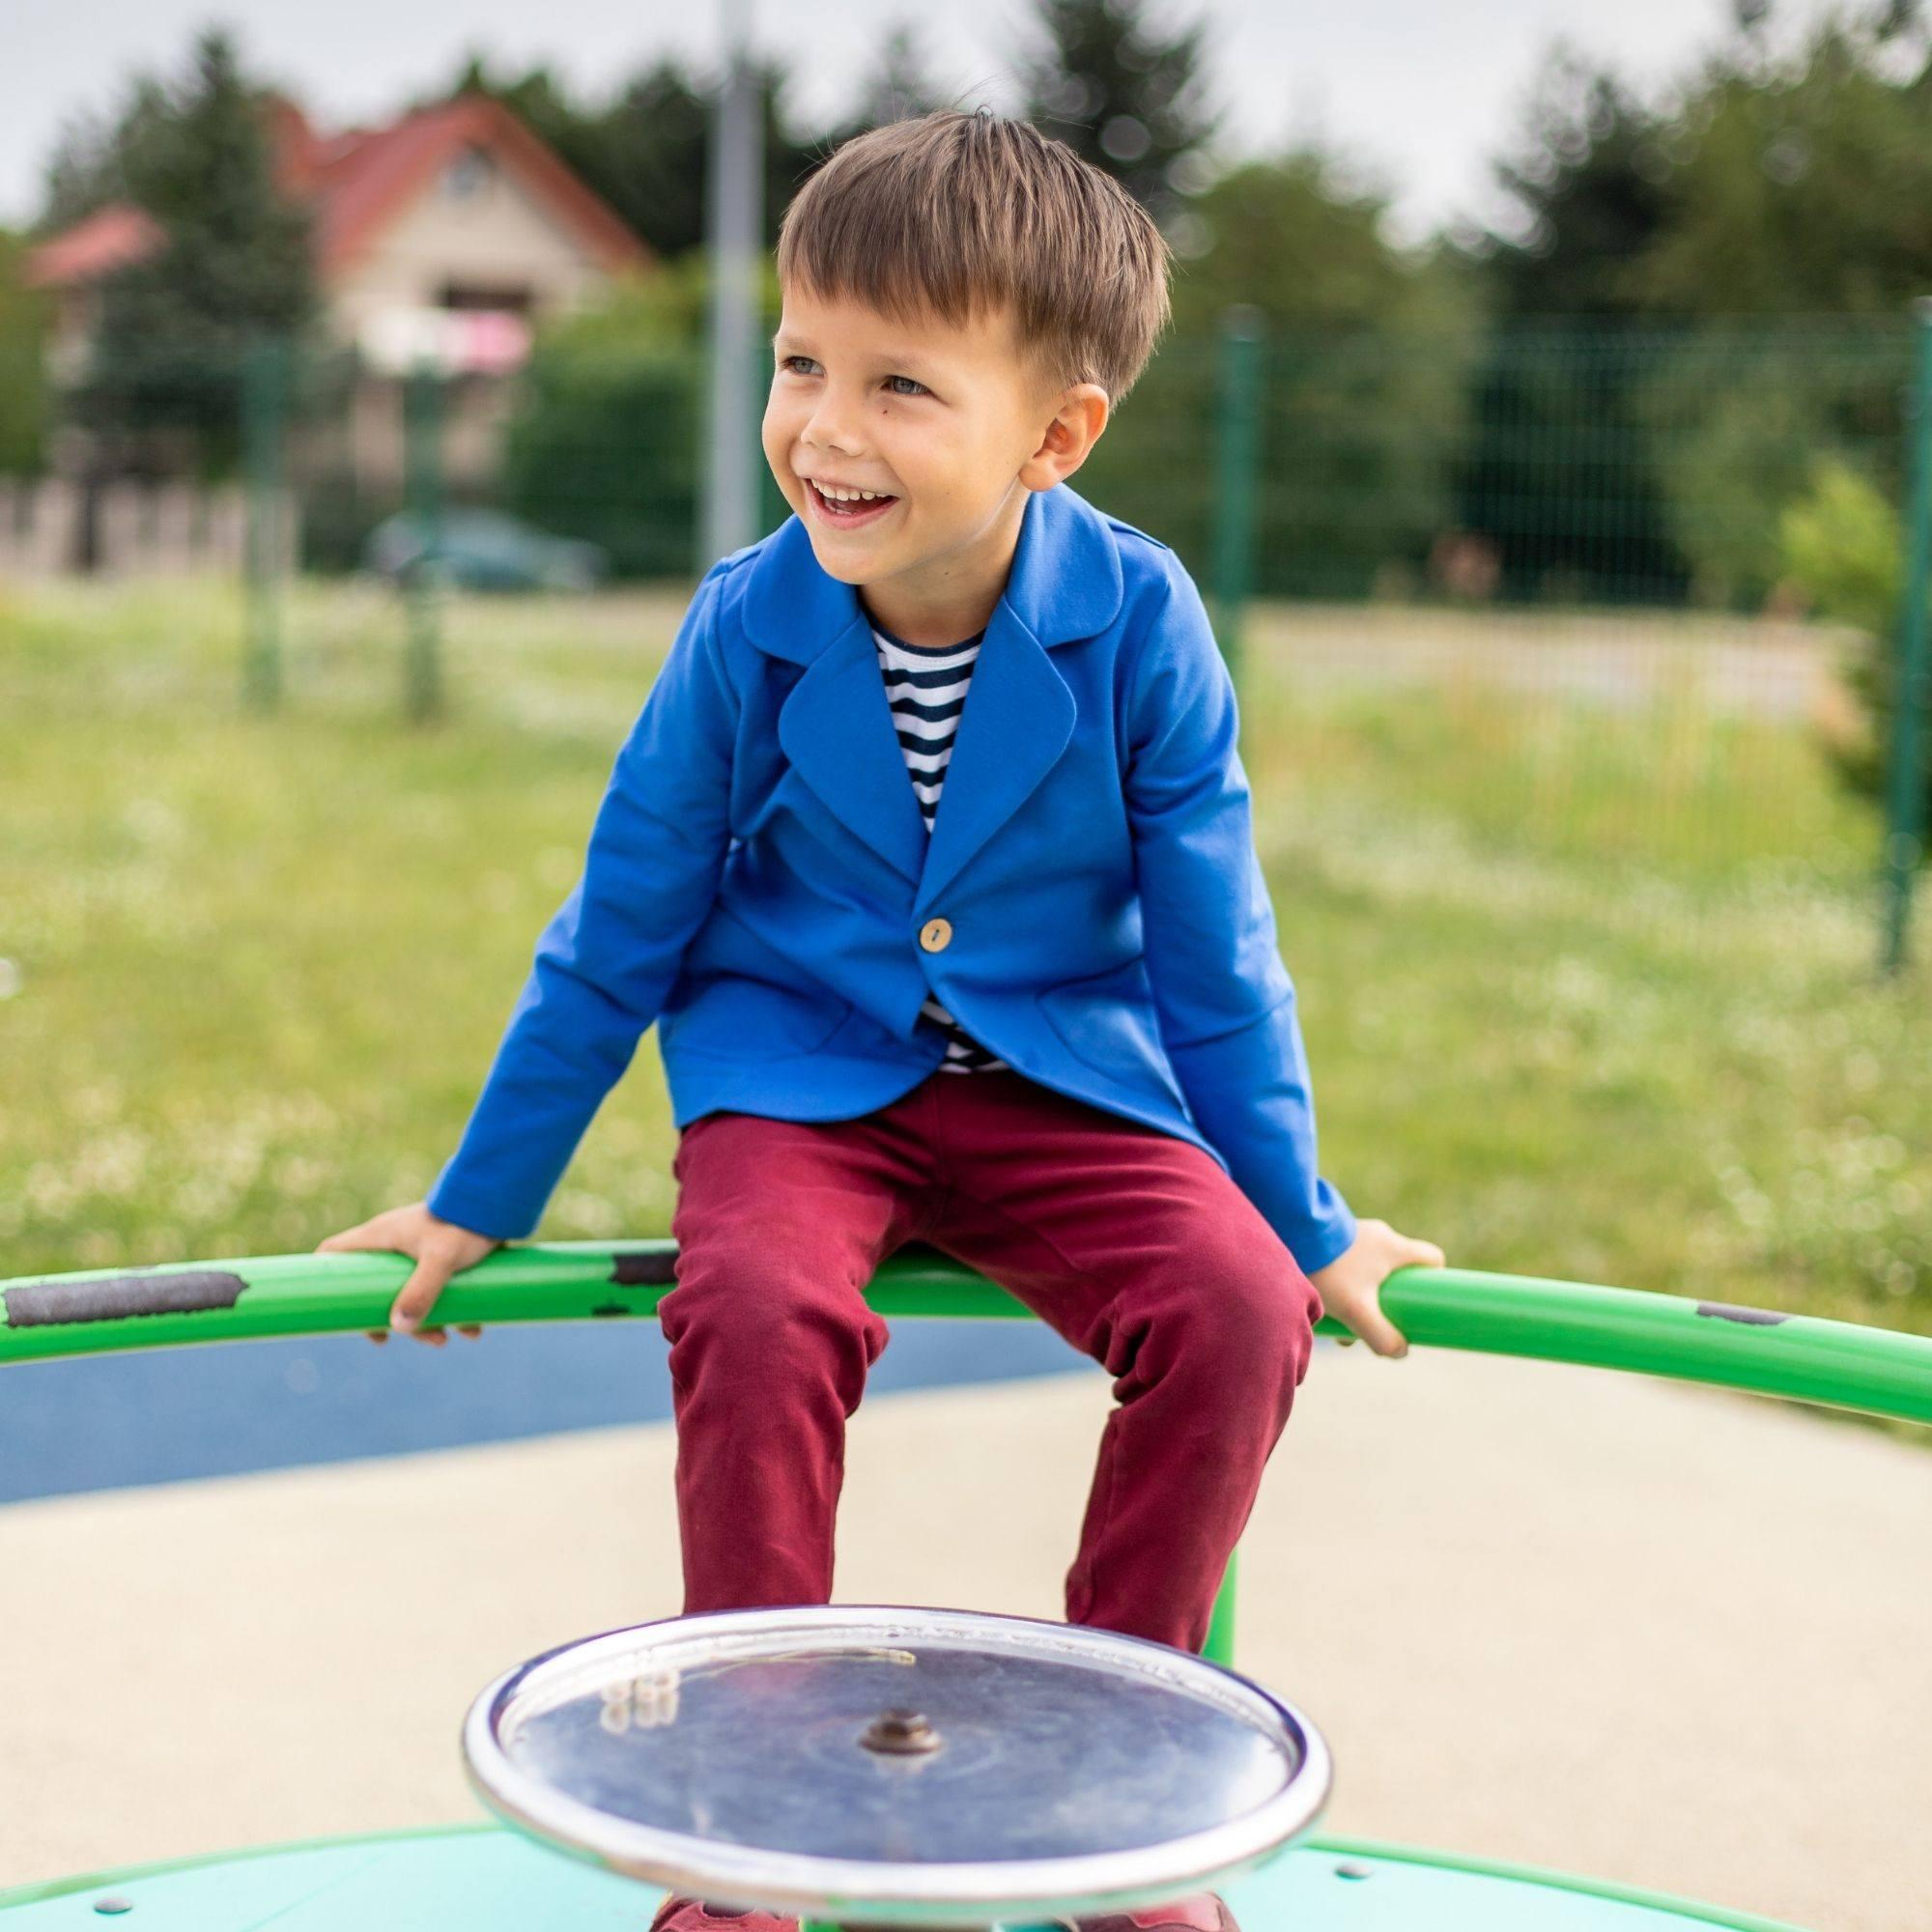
<point x="741" y="1018"/>
<point x="1107" y="1019"/>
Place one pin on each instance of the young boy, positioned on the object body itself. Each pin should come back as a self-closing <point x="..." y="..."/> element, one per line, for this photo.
<point x="1042" y="1025"/>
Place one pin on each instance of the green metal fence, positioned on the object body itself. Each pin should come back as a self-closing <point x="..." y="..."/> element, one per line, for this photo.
<point x="1562" y="553"/>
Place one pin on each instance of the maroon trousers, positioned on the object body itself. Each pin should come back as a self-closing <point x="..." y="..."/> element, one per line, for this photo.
<point x="1134" y="1245"/>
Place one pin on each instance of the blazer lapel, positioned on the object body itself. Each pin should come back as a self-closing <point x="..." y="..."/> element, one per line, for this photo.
<point x="835" y="725"/>
<point x="1017" y="719"/>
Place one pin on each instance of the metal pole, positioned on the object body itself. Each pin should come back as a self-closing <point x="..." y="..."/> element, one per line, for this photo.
<point x="265" y="370"/>
<point x="735" y="225"/>
<point x="422" y="493"/>
<point x="1238" y="452"/>
<point x="1905" y="792"/>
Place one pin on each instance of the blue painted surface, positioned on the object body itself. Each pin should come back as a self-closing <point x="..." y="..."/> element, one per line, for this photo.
<point x="497" y="1882"/>
<point x="119" y="1421"/>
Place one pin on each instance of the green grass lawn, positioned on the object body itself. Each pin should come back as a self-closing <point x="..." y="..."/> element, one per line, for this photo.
<point x="1589" y="992"/>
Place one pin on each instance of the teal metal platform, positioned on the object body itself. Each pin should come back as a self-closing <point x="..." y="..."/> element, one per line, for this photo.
<point x="482" y="1879"/>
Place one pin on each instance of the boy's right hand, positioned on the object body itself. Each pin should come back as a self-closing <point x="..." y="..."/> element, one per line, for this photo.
<point x="440" y="1249"/>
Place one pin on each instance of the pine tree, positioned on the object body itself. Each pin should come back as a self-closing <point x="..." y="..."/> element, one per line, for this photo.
<point x="898" y="89"/>
<point x="1120" y="96"/>
<point x="175" y="329"/>
<point x="646" y="151"/>
<point x="24" y="319"/>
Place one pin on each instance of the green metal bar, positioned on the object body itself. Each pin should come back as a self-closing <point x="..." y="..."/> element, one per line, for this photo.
<point x="1800" y="1358"/>
<point x="1905" y="790"/>
<point x="1220" y="1646"/>
<point x="265" y="381"/>
<point x="422" y="489"/>
<point x="1238" y="470"/>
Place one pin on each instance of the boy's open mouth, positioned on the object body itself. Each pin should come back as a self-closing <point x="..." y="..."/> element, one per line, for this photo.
<point x="847" y="516"/>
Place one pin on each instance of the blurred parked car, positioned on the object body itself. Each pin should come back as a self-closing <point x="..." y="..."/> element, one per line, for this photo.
<point x="485" y="550"/>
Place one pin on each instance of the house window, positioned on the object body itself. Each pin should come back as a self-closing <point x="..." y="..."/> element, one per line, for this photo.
<point x="514" y="297"/>
<point x="467" y="175"/>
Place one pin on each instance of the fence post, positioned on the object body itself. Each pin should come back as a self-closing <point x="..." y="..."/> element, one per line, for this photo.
<point x="422" y="494"/>
<point x="1905" y="793"/>
<point x="1238" y="459"/>
<point x="264" y="381"/>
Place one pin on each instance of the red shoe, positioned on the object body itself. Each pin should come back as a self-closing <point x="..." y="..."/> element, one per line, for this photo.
<point x="691" y="1915"/>
<point x="1199" y="1912"/>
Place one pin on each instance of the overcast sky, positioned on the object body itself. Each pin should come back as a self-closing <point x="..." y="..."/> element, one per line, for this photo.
<point x="1421" y="91"/>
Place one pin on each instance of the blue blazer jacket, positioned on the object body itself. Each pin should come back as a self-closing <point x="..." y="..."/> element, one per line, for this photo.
<point x="760" y="884"/>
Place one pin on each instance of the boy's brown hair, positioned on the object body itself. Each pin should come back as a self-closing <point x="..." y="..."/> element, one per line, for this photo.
<point x="955" y="214"/>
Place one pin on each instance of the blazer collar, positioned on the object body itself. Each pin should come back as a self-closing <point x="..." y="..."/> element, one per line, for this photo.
<point x="1064" y="581"/>
<point x="835" y="725"/>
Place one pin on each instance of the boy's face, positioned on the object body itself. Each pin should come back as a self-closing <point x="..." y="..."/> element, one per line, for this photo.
<point x="944" y="419"/>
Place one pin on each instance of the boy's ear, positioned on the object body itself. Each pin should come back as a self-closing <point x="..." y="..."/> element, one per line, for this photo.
<point x="1075" y="428"/>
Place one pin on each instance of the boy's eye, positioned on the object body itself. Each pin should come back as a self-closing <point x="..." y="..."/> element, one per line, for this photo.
<point x="911" y="387"/>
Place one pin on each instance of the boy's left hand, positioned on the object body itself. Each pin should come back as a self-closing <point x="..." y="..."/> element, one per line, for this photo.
<point x="1350" y="1285"/>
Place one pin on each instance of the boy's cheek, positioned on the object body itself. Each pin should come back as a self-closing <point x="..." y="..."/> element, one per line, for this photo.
<point x="777" y="442"/>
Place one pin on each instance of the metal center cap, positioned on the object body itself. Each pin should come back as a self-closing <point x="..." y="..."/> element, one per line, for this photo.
<point x="886" y="1765"/>
<point x="900" y="1734"/>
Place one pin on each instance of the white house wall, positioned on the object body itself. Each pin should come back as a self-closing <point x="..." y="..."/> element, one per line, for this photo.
<point x="502" y="234"/>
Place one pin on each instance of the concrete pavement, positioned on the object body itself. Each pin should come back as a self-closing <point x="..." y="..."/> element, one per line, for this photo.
<point x="1576" y="1619"/>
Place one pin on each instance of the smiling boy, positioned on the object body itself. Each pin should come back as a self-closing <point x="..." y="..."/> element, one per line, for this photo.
<point x="930" y="856"/>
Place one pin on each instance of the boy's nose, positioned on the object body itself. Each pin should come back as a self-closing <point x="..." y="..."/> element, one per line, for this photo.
<point x="843" y="446"/>
<point x="832" y="429"/>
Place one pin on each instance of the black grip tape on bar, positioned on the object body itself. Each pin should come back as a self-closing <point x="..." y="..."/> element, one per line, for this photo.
<point x="643" y="1269"/>
<point x="42" y="1304"/>
<point x="1759" y="1318"/>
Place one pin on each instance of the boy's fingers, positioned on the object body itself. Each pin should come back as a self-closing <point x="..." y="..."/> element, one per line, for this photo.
<point x="1369" y="1324"/>
<point x="470" y="1329"/>
<point x="1428" y="1254"/>
<point x="376" y="1334"/>
<point x="1381" y="1334"/>
<point x="372" y="1234"/>
<point x="418" y="1296"/>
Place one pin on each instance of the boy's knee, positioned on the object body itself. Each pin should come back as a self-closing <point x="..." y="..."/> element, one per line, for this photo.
<point x="769" y="1312"/>
<point x="1253" y="1314"/>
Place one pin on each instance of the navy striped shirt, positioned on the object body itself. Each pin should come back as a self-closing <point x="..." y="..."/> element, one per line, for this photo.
<point x="925" y="685"/>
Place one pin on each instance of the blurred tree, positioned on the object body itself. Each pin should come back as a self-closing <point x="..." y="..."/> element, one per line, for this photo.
<point x="1843" y="545"/>
<point x="1121" y="95"/>
<point x="24" y="315"/>
<point x="604" y="445"/>
<point x="645" y="151"/>
<point x="1366" y="369"/>
<point x="163" y="380"/>
<point x="102" y="158"/>
<point x="1783" y="178"/>
<point x="1799" y="185"/>
<point x="1308" y="246"/>
<point x="899" y="87"/>
<point x="1587" y="178"/>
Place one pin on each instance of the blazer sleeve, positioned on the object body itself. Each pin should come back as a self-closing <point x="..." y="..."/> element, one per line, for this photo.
<point x="608" y="956"/>
<point x="1225" y="1002"/>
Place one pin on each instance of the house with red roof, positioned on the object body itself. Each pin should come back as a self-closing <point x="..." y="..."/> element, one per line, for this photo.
<point x="443" y="236"/>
